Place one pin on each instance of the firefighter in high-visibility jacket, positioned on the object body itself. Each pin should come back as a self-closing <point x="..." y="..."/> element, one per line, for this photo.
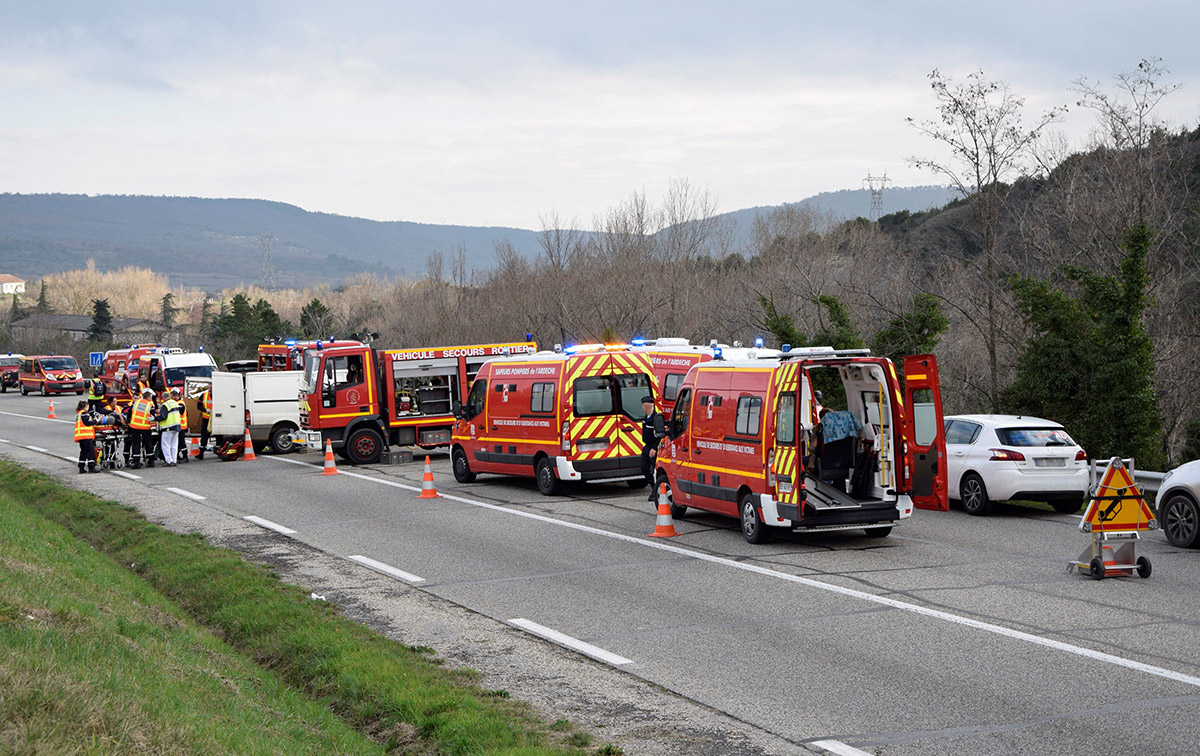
<point x="204" y="403"/>
<point x="85" y="436"/>
<point x="168" y="427"/>
<point x="141" y="417"/>
<point x="95" y="394"/>
<point x="183" y="426"/>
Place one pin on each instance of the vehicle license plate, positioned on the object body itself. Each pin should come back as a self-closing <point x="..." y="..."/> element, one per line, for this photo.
<point x="1049" y="462"/>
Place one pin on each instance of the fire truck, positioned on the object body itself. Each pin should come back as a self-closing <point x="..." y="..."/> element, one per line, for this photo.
<point x="364" y="400"/>
<point x="750" y="439"/>
<point x="290" y="354"/>
<point x="556" y="416"/>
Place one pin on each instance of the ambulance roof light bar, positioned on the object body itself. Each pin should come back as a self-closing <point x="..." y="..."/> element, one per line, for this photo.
<point x="822" y="351"/>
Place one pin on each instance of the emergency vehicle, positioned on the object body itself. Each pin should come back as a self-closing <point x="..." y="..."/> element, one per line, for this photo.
<point x="672" y="357"/>
<point x="50" y="374"/>
<point x="748" y="439"/>
<point x="569" y="416"/>
<point x="162" y="371"/>
<point x="9" y="364"/>
<point x="289" y="355"/>
<point x="128" y="375"/>
<point x="363" y="400"/>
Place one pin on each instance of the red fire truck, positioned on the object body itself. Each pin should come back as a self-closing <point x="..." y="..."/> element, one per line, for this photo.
<point x="289" y="355"/>
<point x="364" y="400"/>
<point x="570" y="416"/>
<point x="749" y="440"/>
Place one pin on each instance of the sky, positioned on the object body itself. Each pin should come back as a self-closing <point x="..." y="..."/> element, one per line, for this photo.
<point x="508" y="114"/>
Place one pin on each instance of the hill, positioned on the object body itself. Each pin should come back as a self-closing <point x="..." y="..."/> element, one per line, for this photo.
<point x="215" y="243"/>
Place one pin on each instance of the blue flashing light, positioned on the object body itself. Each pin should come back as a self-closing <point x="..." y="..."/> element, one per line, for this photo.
<point x="320" y="345"/>
<point x="529" y="337"/>
<point x="290" y="342"/>
<point x="758" y="342"/>
<point x="571" y="349"/>
<point x="201" y="347"/>
<point x="638" y="342"/>
<point x="785" y="348"/>
<point x="718" y="353"/>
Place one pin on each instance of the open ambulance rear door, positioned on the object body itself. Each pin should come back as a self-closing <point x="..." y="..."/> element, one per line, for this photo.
<point x="925" y="433"/>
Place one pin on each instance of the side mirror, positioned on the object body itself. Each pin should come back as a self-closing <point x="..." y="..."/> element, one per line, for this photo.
<point x="456" y="409"/>
<point x="673" y="426"/>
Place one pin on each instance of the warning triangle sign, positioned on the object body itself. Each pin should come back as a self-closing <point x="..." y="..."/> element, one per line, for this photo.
<point x="1118" y="504"/>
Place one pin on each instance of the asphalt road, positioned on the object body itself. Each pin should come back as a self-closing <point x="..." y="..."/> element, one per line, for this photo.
<point x="953" y="635"/>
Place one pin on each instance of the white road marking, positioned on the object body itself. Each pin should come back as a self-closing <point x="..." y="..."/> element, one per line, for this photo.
<point x="124" y="474"/>
<point x="1038" y="640"/>
<point x="587" y="649"/>
<point x="270" y="525"/>
<point x="38" y="449"/>
<point x="36" y="417"/>
<point x="838" y="747"/>
<point x="189" y="494"/>
<point x="5" y="441"/>
<point x="387" y="569"/>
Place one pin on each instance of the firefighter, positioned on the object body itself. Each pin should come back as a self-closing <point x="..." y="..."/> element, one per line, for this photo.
<point x="85" y="435"/>
<point x="95" y="393"/>
<point x="653" y="429"/>
<point x="168" y="427"/>
<point x="183" y="429"/>
<point x="142" y="441"/>
<point x="204" y="404"/>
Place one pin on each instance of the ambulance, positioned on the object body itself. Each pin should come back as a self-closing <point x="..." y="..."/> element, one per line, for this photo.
<point x="290" y="354"/>
<point x="363" y="400"/>
<point x="750" y="439"/>
<point x="573" y="415"/>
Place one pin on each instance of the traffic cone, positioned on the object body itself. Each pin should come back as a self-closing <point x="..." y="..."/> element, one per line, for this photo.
<point x="427" y="489"/>
<point x="248" y="448"/>
<point x="193" y="447"/>
<point x="51" y="415"/>
<point x="330" y="467"/>
<point x="664" y="527"/>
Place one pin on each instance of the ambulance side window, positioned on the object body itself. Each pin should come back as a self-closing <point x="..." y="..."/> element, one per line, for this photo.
<point x="671" y="386"/>
<point x="683" y="412"/>
<point x="541" y="397"/>
<point x="475" y="399"/>
<point x="593" y="395"/>
<point x="749" y="416"/>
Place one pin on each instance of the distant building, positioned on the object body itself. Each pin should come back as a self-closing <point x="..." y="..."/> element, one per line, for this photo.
<point x="125" y="330"/>
<point x="10" y="285"/>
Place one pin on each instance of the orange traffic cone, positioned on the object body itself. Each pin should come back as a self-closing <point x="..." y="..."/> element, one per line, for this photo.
<point x="664" y="526"/>
<point x="51" y="415"/>
<point x="427" y="489"/>
<point x="330" y="467"/>
<point x="193" y="447"/>
<point x="248" y="448"/>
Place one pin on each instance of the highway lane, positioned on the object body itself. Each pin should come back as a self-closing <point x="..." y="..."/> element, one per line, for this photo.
<point x="727" y="623"/>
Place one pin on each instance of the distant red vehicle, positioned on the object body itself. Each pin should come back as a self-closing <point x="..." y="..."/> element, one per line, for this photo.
<point x="50" y="374"/>
<point x="289" y="355"/>
<point x="9" y="365"/>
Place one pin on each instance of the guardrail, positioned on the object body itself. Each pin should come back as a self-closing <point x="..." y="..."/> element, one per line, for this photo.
<point x="1150" y="482"/>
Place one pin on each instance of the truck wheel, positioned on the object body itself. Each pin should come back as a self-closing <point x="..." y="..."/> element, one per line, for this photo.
<point x="547" y="482"/>
<point x="363" y="447"/>
<point x="462" y="468"/>
<point x="753" y="528"/>
<point x="975" y="500"/>
<point x="281" y="440"/>
<point x="677" y="510"/>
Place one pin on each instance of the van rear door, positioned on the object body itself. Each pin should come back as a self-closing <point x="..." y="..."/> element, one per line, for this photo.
<point x="229" y="404"/>
<point x="924" y="431"/>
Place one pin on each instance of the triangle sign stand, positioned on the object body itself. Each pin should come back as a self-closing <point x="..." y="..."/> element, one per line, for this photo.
<point x="1115" y="518"/>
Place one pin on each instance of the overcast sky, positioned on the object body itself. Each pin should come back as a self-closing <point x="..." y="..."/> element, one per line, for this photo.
<point x="490" y="113"/>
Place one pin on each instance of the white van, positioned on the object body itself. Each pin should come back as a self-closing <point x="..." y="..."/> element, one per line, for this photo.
<point x="268" y="403"/>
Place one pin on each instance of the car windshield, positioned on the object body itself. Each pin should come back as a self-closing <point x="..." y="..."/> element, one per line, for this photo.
<point x="59" y="363"/>
<point x="177" y="374"/>
<point x="9" y="361"/>
<point x="312" y="366"/>
<point x="1034" y="437"/>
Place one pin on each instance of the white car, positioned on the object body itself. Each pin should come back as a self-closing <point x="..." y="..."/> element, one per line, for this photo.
<point x="994" y="458"/>
<point x="1177" y="505"/>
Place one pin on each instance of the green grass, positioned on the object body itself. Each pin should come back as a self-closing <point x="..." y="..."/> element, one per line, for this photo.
<point x="117" y="636"/>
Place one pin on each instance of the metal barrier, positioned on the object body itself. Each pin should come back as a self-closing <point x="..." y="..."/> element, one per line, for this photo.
<point x="1150" y="482"/>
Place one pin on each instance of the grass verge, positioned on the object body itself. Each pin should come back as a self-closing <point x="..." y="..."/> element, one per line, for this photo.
<point x="101" y="654"/>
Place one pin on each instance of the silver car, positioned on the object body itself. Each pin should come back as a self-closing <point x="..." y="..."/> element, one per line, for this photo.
<point x="1177" y="505"/>
<point x="994" y="458"/>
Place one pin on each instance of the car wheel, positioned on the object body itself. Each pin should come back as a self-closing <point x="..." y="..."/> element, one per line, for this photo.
<point x="677" y="510"/>
<point x="882" y="532"/>
<point x="975" y="500"/>
<point x="640" y="483"/>
<point x="24" y="390"/>
<point x="44" y="391"/>
<point x="547" y="482"/>
<point x="363" y="447"/>
<point x="1180" y="521"/>
<point x="281" y="440"/>
<point x="753" y="528"/>
<point x="1067" y="506"/>
<point x="462" y="467"/>
<point x="3" y="388"/>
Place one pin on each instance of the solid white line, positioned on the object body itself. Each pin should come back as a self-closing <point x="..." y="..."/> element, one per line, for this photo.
<point x="269" y="525"/>
<point x="587" y="649"/>
<point x="188" y="494"/>
<point x="5" y="441"/>
<point x="38" y="449"/>
<point x="36" y="417"/>
<point x="838" y="747"/>
<point x="849" y="592"/>
<point x="387" y="569"/>
<point x="124" y="474"/>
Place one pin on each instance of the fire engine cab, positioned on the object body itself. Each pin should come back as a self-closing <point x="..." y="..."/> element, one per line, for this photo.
<point x="363" y="400"/>
<point x="556" y="416"/>
<point x="751" y="439"/>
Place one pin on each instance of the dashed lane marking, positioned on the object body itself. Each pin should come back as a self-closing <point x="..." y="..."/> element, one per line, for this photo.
<point x="269" y="525"/>
<point x="189" y="494"/>
<point x="583" y="647"/>
<point x="387" y="569"/>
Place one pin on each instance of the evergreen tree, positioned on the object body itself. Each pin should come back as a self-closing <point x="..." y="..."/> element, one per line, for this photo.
<point x="915" y="332"/>
<point x="1090" y="363"/>
<point x="101" y="329"/>
<point x="16" y="313"/>
<point x="43" y="301"/>
<point x="168" y="310"/>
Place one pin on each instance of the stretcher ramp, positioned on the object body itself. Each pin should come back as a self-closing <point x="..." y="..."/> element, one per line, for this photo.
<point x="821" y="495"/>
